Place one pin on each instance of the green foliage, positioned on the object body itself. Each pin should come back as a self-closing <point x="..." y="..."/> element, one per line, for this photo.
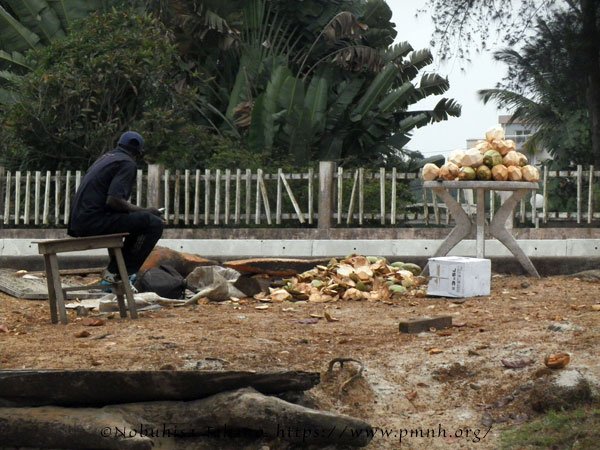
<point x="577" y="429"/>
<point x="111" y="73"/>
<point x="546" y="89"/>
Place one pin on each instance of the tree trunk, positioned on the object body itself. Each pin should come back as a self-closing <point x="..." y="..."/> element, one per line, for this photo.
<point x="590" y="37"/>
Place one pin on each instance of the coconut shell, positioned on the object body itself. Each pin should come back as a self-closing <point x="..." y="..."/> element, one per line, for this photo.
<point x="472" y="158"/>
<point x="511" y="159"/>
<point x="557" y="361"/>
<point x="430" y="172"/>
<point x="530" y="173"/>
<point x="483" y="146"/>
<point x="496" y="132"/>
<point x="501" y="146"/>
<point x="449" y="171"/>
<point x="514" y="173"/>
<point x="523" y="161"/>
<point x="456" y="157"/>
<point x="500" y="172"/>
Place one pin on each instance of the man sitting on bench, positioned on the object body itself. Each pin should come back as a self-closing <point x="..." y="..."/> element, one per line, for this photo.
<point x="101" y="206"/>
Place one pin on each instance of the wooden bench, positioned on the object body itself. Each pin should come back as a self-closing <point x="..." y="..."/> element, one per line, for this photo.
<point x="57" y="294"/>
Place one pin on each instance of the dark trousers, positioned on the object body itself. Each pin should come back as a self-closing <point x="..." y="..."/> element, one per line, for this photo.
<point x="144" y="230"/>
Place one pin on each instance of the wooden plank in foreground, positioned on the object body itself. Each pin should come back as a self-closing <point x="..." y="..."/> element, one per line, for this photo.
<point x="95" y="387"/>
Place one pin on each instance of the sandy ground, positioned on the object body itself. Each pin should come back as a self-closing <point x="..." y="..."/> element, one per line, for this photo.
<point x="446" y="382"/>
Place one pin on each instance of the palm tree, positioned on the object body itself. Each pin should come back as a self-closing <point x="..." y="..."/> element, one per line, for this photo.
<point x="545" y="89"/>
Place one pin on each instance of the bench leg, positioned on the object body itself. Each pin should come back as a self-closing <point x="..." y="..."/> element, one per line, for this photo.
<point x="126" y="287"/>
<point x="57" y="288"/>
<point x="51" y="293"/>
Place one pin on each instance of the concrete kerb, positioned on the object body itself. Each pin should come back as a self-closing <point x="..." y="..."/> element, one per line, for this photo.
<point x="550" y="256"/>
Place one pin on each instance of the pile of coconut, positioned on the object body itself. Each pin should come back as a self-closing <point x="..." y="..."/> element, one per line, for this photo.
<point x="494" y="158"/>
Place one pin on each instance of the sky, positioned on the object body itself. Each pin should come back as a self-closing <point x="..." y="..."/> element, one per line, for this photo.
<point x="482" y="73"/>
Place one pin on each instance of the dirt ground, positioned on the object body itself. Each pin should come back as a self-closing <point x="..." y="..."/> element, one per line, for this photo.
<point x="446" y="381"/>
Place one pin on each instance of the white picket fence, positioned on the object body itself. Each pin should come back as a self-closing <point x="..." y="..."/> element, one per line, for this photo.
<point x="236" y="197"/>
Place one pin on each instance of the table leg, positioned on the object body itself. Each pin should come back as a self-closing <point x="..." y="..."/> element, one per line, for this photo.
<point x="499" y="231"/>
<point x="51" y="293"/>
<point x="58" y="292"/>
<point x="463" y="223"/>
<point x="480" y="223"/>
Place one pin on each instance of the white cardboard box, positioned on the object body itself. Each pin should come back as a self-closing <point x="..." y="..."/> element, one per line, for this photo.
<point x="459" y="276"/>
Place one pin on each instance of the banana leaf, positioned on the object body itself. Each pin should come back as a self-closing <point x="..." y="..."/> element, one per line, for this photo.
<point x="378" y="87"/>
<point x="14" y="58"/>
<point x="68" y="11"/>
<point x="316" y="101"/>
<point x="263" y="127"/>
<point x="348" y="91"/>
<point x="38" y="17"/>
<point x="14" y="36"/>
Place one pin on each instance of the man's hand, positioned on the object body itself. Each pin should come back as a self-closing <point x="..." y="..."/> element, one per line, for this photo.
<point x="155" y="211"/>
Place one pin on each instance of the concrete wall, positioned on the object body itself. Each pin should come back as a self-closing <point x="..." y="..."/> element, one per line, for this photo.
<point x="553" y="251"/>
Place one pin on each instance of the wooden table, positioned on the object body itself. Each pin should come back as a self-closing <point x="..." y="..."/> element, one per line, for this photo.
<point x="497" y="226"/>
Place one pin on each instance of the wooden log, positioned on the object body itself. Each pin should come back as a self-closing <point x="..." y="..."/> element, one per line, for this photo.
<point x="227" y="418"/>
<point x="274" y="266"/>
<point x="184" y="263"/>
<point x="97" y="387"/>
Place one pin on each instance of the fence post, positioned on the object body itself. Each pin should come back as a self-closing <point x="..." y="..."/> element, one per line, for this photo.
<point x="2" y="178"/>
<point x="326" y="169"/>
<point x="155" y="188"/>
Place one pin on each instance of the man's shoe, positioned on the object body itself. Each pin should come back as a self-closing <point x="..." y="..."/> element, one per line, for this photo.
<point x="110" y="277"/>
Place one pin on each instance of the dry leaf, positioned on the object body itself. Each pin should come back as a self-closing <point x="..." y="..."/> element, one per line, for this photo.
<point x="4" y="328"/>
<point x="98" y="362"/>
<point x="82" y="334"/>
<point x="435" y="351"/>
<point x="411" y="396"/>
<point x="318" y="316"/>
<point x="261" y="307"/>
<point x="444" y="333"/>
<point x="596" y="307"/>
<point x="329" y="318"/>
<point x="91" y="322"/>
<point x="459" y="324"/>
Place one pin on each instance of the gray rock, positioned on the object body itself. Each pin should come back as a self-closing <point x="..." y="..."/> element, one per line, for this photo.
<point x="566" y="389"/>
<point x="561" y="327"/>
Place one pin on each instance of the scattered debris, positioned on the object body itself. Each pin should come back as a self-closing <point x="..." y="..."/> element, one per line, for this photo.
<point x="517" y="364"/>
<point x="82" y="334"/>
<point x="341" y="362"/>
<point x="353" y="278"/>
<point x="92" y="322"/>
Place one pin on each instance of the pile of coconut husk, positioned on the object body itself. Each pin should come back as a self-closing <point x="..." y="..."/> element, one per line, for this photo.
<point x="356" y="277"/>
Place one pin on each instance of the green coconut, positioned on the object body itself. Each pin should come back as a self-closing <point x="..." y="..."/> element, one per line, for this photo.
<point x="466" y="174"/>
<point x="483" y="173"/>
<point x="413" y="268"/>
<point x="492" y="158"/>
